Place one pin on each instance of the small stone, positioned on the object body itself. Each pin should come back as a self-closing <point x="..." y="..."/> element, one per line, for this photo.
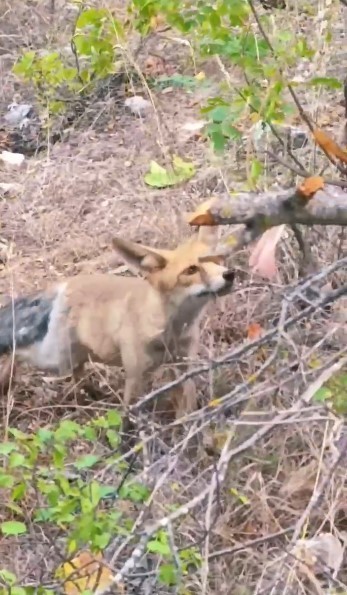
<point x="137" y="104"/>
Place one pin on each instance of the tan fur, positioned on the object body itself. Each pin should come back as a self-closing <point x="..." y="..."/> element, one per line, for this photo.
<point x="140" y="323"/>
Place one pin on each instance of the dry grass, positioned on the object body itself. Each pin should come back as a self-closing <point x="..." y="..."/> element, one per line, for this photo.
<point x="74" y="199"/>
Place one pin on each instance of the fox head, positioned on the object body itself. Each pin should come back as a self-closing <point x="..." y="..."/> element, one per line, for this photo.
<point x="194" y="268"/>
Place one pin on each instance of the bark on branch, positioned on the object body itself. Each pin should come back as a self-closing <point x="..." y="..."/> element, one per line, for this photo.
<point x="259" y="212"/>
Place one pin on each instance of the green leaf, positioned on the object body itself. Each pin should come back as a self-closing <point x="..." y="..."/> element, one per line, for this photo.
<point x="7" y="447"/>
<point x="7" y="576"/>
<point x="218" y="140"/>
<point x="107" y="491"/>
<point x="256" y="171"/>
<point x="13" y="528"/>
<point x="16" y="459"/>
<point x="328" y="82"/>
<point x="113" y="438"/>
<point x="19" y="491"/>
<point x="220" y="113"/>
<point x="91" y="16"/>
<point x="25" y="63"/>
<point x="136" y="492"/>
<point x="157" y="547"/>
<point x="102" y="541"/>
<point x="86" y="461"/>
<point x="44" y="435"/>
<point x="168" y="574"/>
<point x="322" y="395"/>
<point x="6" y="481"/>
<point x="95" y="493"/>
<point x="241" y="497"/>
<point x="90" y="433"/>
<point x="25" y="591"/>
<point x="67" y="430"/>
<point x="18" y="434"/>
<point x="159" y="177"/>
<point x="230" y="131"/>
<point x="114" y="418"/>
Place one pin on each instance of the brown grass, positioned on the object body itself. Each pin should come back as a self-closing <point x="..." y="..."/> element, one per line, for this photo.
<point x="74" y="198"/>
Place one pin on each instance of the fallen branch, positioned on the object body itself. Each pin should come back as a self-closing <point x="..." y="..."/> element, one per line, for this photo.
<point x="259" y="212"/>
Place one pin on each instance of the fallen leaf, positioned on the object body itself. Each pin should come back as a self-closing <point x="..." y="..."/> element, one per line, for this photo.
<point x="85" y="572"/>
<point x="319" y="552"/>
<point x="154" y="66"/>
<point x="310" y="186"/>
<point x="202" y="214"/>
<point x="328" y="145"/>
<point x="300" y="482"/>
<point x="12" y="158"/>
<point x="159" y="177"/>
<point x="254" y="331"/>
<point x="214" y="403"/>
<point x="200" y="76"/>
<point x="263" y="255"/>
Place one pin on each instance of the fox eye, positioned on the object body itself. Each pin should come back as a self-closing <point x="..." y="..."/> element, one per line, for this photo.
<point x="191" y="270"/>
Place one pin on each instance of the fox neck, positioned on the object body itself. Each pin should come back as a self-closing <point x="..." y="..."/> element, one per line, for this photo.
<point x="181" y="311"/>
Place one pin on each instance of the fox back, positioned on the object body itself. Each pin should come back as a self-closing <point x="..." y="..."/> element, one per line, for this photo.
<point x="134" y="322"/>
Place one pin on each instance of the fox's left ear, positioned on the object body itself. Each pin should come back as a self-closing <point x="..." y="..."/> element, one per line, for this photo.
<point x="209" y="235"/>
<point x="141" y="257"/>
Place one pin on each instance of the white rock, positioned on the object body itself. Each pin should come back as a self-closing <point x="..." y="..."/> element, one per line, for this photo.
<point x="12" y="158"/>
<point x="7" y="187"/>
<point x="194" y="125"/>
<point x="17" y="114"/>
<point x="137" y="104"/>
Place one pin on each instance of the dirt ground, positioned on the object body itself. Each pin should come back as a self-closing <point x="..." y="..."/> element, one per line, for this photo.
<point x="70" y="201"/>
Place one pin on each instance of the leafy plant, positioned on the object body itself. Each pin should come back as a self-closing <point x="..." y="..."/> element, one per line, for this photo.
<point x="94" y="56"/>
<point x="169" y="570"/>
<point x="75" y="501"/>
<point x="224" y="29"/>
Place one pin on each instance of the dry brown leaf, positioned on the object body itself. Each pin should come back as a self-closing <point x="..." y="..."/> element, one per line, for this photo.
<point x="310" y="186"/>
<point x="87" y="572"/>
<point x="300" y="481"/>
<point x="328" y="145"/>
<point x="154" y="66"/>
<point x="202" y="215"/>
<point x="254" y="331"/>
<point x="263" y="255"/>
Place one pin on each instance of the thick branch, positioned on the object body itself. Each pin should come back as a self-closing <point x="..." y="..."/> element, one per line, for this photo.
<point x="327" y="207"/>
<point x="259" y="212"/>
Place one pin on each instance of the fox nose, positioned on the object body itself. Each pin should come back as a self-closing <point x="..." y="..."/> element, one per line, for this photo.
<point x="229" y="276"/>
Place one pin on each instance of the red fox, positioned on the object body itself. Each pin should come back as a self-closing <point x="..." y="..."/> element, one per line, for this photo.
<point x="137" y="323"/>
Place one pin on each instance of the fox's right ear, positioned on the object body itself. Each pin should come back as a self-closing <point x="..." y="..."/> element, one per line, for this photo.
<point x="140" y="257"/>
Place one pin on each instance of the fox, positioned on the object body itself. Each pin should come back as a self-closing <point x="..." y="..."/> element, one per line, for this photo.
<point x="135" y="322"/>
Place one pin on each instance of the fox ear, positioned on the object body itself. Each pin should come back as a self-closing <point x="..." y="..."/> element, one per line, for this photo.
<point x="140" y="257"/>
<point x="208" y="235"/>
